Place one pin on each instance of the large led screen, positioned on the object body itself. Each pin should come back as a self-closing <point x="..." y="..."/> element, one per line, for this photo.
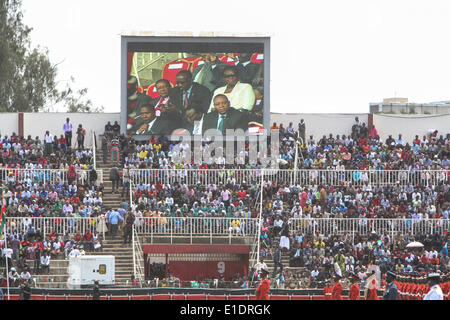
<point x="179" y="88"/>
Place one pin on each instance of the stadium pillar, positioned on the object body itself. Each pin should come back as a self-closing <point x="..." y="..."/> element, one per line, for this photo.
<point x="370" y="121"/>
<point x="20" y="124"/>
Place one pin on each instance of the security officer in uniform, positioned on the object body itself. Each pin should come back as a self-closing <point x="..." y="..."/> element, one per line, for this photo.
<point x="391" y="292"/>
<point x="435" y="292"/>
<point x="262" y="292"/>
<point x="354" y="291"/>
<point x="337" y="288"/>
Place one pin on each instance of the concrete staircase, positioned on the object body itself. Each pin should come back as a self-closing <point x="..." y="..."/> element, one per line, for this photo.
<point x="57" y="278"/>
<point x="123" y="254"/>
<point x="284" y="258"/>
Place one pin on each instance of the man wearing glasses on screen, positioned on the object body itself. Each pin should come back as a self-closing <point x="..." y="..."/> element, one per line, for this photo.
<point x="240" y="95"/>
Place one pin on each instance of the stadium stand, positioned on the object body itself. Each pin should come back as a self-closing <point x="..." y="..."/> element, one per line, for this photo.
<point x="353" y="204"/>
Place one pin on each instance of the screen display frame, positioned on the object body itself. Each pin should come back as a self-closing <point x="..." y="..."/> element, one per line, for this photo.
<point x="191" y="44"/>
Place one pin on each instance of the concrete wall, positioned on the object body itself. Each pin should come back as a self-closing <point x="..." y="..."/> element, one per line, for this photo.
<point x="410" y="125"/>
<point x="35" y="124"/>
<point x="9" y="123"/>
<point x="319" y="124"/>
<point x="406" y="108"/>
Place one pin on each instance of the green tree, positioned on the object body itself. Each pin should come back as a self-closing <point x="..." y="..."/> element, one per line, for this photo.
<point x="76" y="101"/>
<point x="27" y="77"/>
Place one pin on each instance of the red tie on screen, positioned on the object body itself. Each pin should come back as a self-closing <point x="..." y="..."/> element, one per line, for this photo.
<point x="185" y="99"/>
<point x="159" y="103"/>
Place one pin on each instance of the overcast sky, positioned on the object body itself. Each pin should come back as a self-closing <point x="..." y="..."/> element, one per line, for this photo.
<point x="327" y="56"/>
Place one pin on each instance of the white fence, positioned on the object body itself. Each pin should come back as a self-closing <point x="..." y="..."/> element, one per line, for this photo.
<point x="46" y="175"/>
<point x="62" y="225"/>
<point x="178" y="226"/>
<point x="301" y="177"/>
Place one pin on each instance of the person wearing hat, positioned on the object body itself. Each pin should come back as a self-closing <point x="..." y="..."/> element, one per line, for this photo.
<point x="445" y="285"/>
<point x="262" y="292"/>
<point x="354" y="288"/>
<point x="13" y="276"/>
<point x="337" y="288"/>
<point x="435" y="292"/>
<point x="391" y="292"/>
<point x="423" y="287"/>
<point x="407" y="287"/>
<point x="328" y="289"/>
<point x="370" y="292"/>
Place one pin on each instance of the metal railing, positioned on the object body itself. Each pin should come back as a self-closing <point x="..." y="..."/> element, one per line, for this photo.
<point x="365" y="226"/>
<point x="138" y="258"/>
<point x="190" y="226"/>
<point x="45" y="176"/>
<point x="300" y="177"/>
<point x="174" y="226"/>
<point x="62" y="225"/>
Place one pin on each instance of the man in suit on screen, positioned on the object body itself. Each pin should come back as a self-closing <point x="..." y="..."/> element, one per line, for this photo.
<point x="224" y="116"/>
<point x="190" y="98"/>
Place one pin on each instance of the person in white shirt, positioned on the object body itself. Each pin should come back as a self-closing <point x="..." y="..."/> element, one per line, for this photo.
<point x="13" y="277"/>
<point x="75" y="253"/>
<point x="400" y="140"/>
<point x="48" y="143"/>
<point x="435" y="292"/>
<point x="25" y="275"/>
<point x="260" y="265"/>
<point x="45" y="262"/>
<point x="240" y="95"/>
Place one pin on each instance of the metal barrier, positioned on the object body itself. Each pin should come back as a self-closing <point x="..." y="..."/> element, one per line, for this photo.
<point x="301" y="177"/>
<point x="366" y="226"/>
<point x="65" y="226"/>
<point x="138" y="258"/>
<point x="174" y="226"/>
<point x="45" y="176"/>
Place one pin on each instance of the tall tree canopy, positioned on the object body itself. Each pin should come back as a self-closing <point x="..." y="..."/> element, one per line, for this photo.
<point x="27" y="77"/>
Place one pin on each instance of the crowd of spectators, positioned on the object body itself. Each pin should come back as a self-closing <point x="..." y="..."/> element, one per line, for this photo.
<point x="49" y="152"/>
<point x="30" y="253"/>
<point x="28" y="197"/>
<point x="321" y="256"/>
<point x="32" y="198"/>
<point x="360" y="149"/>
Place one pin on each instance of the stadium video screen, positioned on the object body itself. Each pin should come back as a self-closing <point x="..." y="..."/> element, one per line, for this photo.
<point x="180" y="88"/>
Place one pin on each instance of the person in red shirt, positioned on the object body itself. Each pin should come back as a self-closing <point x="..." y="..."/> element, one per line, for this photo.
<point x="52" y="236"/>
<point x="413" y="289"/>
<point x="370" y="292"/>
<point x="327" y="289"/>
<point x="337" y="288"/>
<point x="422" y="288"/>
<point x="77" y="237"/>
<point x="354" y="288"/>
<point x="88" y="243"/>
<point x="408" y="288"/>
<point x="262" y="292"/>
<point x="446" y="291"/>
